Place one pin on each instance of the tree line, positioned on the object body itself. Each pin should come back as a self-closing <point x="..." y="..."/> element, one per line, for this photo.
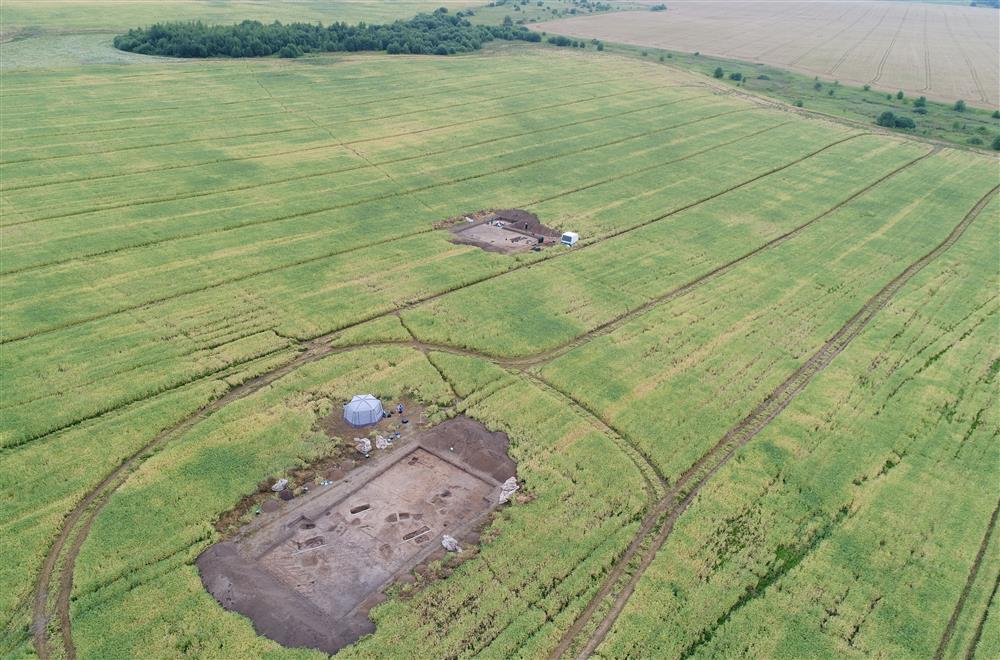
<point x="426" y="34"/>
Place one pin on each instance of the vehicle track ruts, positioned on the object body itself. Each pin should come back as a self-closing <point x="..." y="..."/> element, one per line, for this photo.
<point x="372" y="139"/>
<point x="834" y="37"/>
<point x="847" y="53"/>
<point x="781" y="44"/>
<point x="888" y="50"/>
<point x="977" y="563"/>
<point x="514" y="362"/>
<point x="284" y="266"/>
<point x="691" y="482"/>
<point x="927" y="56"/>
<point x="333" y="145"/>
<point x="75" y="527"/>
<point x="968" y="62"/>
<point x="350" y="146"/>
<point x="60" y="560"/>
<point x="970" y="652"/>
<point x="281" y="99"/>
<point x="686" y="288"/>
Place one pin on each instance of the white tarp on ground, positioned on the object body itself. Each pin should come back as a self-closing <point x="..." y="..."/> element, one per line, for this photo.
<point x="364" y="445"/>
<point x="507" y="489"/>
<point x="363" y="409"/>
<point x="450" y="544"/>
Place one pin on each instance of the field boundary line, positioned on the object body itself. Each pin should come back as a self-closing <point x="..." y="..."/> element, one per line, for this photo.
<point x="425" y="230"/>
<point x="694" y="478"/>
<point x="977" y="563"/>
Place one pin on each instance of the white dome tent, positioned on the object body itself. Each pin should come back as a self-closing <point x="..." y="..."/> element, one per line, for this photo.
<point x="363" y="409"/>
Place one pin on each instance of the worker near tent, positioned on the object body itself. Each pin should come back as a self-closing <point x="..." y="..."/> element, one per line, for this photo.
<point x="399" y="408"/>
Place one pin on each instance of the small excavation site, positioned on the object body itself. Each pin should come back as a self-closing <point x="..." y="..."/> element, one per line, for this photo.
<point x="504" y="230"/>
<point x="308" y="573"/>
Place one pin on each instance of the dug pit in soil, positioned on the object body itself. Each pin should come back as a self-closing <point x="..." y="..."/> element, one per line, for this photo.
<point x="504" y="230"/>
<point x="308" y="574"/>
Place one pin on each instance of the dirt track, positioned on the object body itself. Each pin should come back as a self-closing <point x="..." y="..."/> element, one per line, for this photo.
<point x="945" y="52"/>
<point x="59" y="564"/>
<point x="691" y="482"/>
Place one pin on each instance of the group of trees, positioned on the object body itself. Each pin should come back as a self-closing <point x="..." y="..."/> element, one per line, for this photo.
<point x="426" y="34"/>
<point x="891" y="120"/>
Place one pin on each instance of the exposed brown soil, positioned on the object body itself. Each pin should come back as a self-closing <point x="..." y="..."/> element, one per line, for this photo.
<point x="503" y="230"/>
<point x="308" y="572"/>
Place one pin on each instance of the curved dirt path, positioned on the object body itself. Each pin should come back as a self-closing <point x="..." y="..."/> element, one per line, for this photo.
<point x="691" y="482"/>
<point x="51" y="605"/>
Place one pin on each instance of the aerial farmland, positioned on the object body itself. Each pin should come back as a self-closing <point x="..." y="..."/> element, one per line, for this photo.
<point x="446" y="335"/>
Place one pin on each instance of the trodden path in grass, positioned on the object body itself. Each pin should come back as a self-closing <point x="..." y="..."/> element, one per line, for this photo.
<point x="54" y="587"/>
<point x="680" y="496"/>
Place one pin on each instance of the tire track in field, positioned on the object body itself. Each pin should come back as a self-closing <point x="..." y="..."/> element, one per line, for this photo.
<point x="977" y="563"/>
<point x="384" y="196"/>
<point x="346" y="145"/>
<point x="927" y="56"/>
<point x="271" y="269"/>
<point x="688" y="287"/>
<point x="60" y="561"/>
<point x="372" y="139"/>
<point x="782" y="44"/>
<point x="333" y="145"/>
<point x="888" y="50"/>
<point x="689" y="484"/>
<point x="968" y="62"/>
<point x="847" y="53"/>
<point x="280" y="102"/>
<point x="831" y="39"/>
<point x="514" y="363"/>
<point x="970" y="652"/>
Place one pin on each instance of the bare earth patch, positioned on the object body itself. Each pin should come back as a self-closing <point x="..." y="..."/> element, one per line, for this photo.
<point x="503" y="230"/>
<point x="308" y="571"/>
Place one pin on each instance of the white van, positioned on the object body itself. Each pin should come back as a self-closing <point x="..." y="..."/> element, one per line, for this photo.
<point x="570" y="238"/>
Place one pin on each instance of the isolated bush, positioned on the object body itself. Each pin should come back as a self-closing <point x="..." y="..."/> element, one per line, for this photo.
<point x="799" y="103"/>
<point x="867" y="87"/>
<point x="817" y="85"/>
<point x="905" y="122"/>
<point x="736" y="75"/>
<point x="600" y="46"/>
<point x="718" y="73"/>
<point x="645" y="53"/>
<point x="899" y="95"/>
<point x="996" y="114"/>
<point x="959" y="106"/>
<point x="830" y="92"/>
<point x="887" y="119"/>
<point x="660" y="7"/>
<point x="996" y="143"/>
<point x="920" y="102"/>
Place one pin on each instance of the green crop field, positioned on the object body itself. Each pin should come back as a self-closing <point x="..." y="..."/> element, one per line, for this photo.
<point x="754" y="411"/>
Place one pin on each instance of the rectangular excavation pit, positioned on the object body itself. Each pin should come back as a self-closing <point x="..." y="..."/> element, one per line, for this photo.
<point x="311" y="585"/>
